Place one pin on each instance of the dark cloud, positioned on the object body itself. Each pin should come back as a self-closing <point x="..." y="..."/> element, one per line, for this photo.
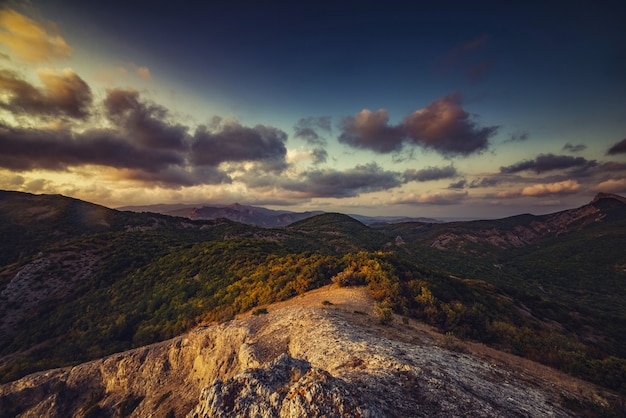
<point x="430" y="174"/>
<point x="484" y="182"/>
<point x="610" y="167"/>
<point x="446" y="128"/>
<point x="64" y="94"/>
<point x="142" y="142"/>
<point x="405" y="155"/>
<point x="574" y="148"/>
<point x="458" y="185"/>
<point x="349" y="183"/>
<point x="320" y="155"/>
<point x="619" y="148"/>
<point x="233" y="142"/>
<point x="518" y="137"/>
<point x="442" y="126"/>
<point x="549" y="162"/>
<point x="27" y="149"/>
<point x="308" y="129"/>
<point x="175" y="176"/>
<point x="370" y="130"/>
<point x="143" y="123"/>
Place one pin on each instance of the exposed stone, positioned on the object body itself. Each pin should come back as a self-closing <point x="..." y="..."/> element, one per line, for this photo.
<point x="286" y="387"/>
<point x="302" y="359"/>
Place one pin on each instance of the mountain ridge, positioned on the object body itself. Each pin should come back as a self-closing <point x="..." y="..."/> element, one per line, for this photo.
<point x="515" y="231"/>
<point x="255" y="215"/>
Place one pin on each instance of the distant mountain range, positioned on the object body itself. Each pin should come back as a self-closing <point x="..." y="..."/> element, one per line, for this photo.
<point x="258" y="216"/>
<point x="513" y="232"/>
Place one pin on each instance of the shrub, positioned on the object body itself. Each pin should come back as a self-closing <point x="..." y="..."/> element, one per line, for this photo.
<point x="259" y="311"/>
<point x="384" y="313"/>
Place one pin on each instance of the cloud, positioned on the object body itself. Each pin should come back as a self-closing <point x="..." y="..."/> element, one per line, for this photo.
<point x="308" y="129"/>
<point x="610" y="167"/>
<point x="518" y="137"/>
<point x="37" y="185"/>
<point x="143" y="123"/>
<point x="233" y="142"/>
<point x="540" y="190"/>
<point x="27" y="149"/>
<point x="619" y="148"/>
<point x="320" y="155"/>
<point x="484" y="182"/>
<point x="437" y="198"/>
<point x="64" y="93"/>
<point x="177" y="176"/>
<point x="364" y="178"/>
<point x="430" y="174"/>
<point x="548" y="162"/>
<point x="574" y="148"/>
<point x="29" y="40"/>
<point x="612" y="186"/>
<point x="443" y="126"/>
<point x="458" y="185"/>
<point x="370" y="130"/>
<point x="138" y="138"/>
<point x="144" y="72"/>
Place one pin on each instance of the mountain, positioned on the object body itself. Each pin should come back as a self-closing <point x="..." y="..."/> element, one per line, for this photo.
<point x="575" y="256"/>
<point x="513" y="232"/>
<point x="255" y="215"/>
<point x="324" y="355"/>
<point x="80" y="282"/>
<point x="251" y="215"/>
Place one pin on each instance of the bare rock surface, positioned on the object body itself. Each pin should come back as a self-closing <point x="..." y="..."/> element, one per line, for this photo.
<point x="320" y="355"/>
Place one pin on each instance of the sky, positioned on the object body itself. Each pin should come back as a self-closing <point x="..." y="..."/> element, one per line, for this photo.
<point x="447" y="109"/>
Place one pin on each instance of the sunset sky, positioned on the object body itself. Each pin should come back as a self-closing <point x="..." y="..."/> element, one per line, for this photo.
<point x="439" y="109"/>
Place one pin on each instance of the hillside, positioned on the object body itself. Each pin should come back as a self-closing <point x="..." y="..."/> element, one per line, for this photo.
<point x="322" y="354"/>
<point x="79" y="281"/>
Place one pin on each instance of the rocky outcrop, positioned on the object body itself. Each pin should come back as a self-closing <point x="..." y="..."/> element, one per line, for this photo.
<point x="286" y="387"/>
<point x="305" y="358"/>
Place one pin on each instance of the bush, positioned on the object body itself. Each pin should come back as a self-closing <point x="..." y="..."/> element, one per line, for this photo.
<point x="259" y="311"/>
<point x="384" y="313"/>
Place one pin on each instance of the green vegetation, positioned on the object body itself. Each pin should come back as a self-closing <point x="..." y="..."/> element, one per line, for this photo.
<point x="559" y="301"/>
<point x="384" y="313"/>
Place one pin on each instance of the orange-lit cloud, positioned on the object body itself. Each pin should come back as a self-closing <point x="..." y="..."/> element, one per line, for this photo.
<point x="436" y="198"/>
<point x="29" y="40"/>
<point x="144" y="72"/>
<point x="443" y="126"/>
<point x="612" y="186"/>
<point x="562" y="187"/>
<point x="541" y="190"/>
